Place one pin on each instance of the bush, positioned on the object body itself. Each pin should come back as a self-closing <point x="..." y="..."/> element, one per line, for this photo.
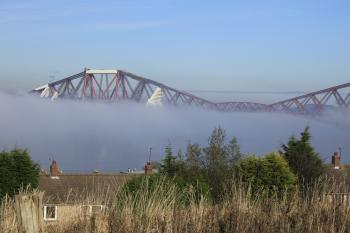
<point x="270" y="173"/>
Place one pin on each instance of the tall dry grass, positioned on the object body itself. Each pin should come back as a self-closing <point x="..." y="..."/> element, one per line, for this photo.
<point x="161" y="210"/>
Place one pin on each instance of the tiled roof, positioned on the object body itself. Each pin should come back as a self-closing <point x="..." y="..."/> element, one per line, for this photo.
<point x="69" y="188"/>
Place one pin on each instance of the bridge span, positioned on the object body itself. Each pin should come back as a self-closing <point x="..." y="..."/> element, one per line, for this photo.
<point x="119" y="85"/>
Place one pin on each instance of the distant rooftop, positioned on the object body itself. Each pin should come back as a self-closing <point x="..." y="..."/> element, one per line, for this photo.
<point x="67" y="188"/>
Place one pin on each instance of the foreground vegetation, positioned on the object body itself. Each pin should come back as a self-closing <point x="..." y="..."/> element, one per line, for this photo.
<point x="211" y="189"/>
<point x="210" y="170"/>
<point x="160" y="209"/>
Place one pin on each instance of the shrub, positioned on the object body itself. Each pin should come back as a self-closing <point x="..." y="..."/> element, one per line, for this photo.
<point x="270" y="173"/>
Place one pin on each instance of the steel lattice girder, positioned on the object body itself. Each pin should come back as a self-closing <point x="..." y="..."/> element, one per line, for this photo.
<point x="118" y="85"/>
<point x="337" y="97"/>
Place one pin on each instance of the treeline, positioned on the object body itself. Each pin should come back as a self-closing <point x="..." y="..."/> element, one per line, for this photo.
<point x="206" y="171"/>
<point x="212" y="170"/>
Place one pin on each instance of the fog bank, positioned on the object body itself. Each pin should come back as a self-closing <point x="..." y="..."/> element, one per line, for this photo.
<point x="83" y="136"/>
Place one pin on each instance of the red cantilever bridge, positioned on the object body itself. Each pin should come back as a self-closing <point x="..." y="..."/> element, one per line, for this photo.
<point x="118" y="85"/>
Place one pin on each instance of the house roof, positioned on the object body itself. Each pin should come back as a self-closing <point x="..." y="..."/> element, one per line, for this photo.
<point x="338" y="178"/>
<point x="71" y="188"/>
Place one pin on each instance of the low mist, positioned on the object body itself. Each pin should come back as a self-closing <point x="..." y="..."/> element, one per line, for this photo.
<point x="84" y="136"/>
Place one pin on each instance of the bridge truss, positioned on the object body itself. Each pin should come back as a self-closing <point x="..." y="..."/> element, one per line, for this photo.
<point x="118" y="85"/>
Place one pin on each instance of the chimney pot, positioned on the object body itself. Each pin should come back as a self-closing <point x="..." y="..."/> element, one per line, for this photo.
<point x="336" y="160"/>
<point x="148" y="168"/>
<point x="54" y="170"/>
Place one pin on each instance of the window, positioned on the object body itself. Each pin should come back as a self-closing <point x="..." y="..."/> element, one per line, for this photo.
<point x="91" y="209"/>
<point x="50" y="213"/>
<point x="85" y="210"/>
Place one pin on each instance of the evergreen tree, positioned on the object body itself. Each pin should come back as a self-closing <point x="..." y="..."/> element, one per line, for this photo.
<point x="169" y="164"/>
<point x="17" y="170"/>
<point x="302" y="158"/>
<point x="8" y="182"/>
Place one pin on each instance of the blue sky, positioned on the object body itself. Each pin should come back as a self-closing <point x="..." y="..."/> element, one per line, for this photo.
<point x="250" y="45"/>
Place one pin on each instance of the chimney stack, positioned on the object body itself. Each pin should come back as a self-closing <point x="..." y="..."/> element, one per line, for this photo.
<point x="336" y="160"/>
<point x="54" y="170"/>
<point x="148" y="168"/>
